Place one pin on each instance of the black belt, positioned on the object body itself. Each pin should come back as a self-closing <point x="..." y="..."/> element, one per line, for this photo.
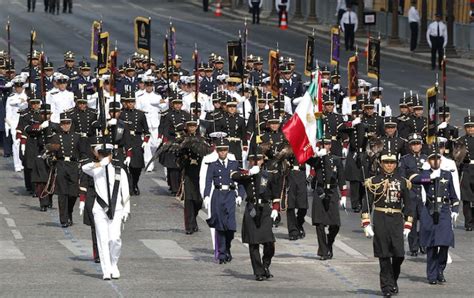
<point x="67" y="159"/>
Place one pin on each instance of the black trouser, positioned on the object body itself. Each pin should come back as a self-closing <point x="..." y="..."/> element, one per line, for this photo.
<point x="295" y="220"/>
<point x="67" y="5"/>
<point x="389" y="272"/>
<point x="7" y="145"/>
<point x="436" y="47"/>
<point x="258" y="263"/>
<point x="224" y="240"/>
<point x="281" y="11"/>
<point x="191" y="211"/>
<point x="255" y="13"/>
<point x="54" y="6"/>
<point x="31" y="5"/>
<point x="414" y="236"/>
<point x="44" y="199"/>
<point x="357" y="192"/>
<point x="349" y="36"/>
<point x="95" y="251"/>
<point x="174" y="179"/>
<point x="135" y="175"/>
<point x="46" y="5"/>
<point x="414" y="35"/>
<point x="325" y="241"/>
<point x="468" y="211"/>
<point x="436" y="259"/>
<point x="205" y="5"/>
<point x="27" y="178"/>
<point x="66" y="207"/>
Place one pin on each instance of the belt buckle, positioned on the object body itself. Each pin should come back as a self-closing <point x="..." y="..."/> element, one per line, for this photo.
<point x="389" y="210"/>
<point x="132" y="133"/>
<point x="67" y="158"/>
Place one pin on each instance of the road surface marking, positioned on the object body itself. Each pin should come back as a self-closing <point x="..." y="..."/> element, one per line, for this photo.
<point x="167" y="249"/>
<point x="17" y="235"/>
<point x="9" y="251"/>
<point x="4" y="211"/>
<point x="78" y="247"/>
<point x="10" y="222"/>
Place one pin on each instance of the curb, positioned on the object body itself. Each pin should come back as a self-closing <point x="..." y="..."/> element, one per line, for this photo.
<point x="454" y="66"/>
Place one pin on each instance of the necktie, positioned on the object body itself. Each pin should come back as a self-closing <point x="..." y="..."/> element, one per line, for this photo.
<point x="223" y="163"/>
<point x="350" y="18"/>
<point x="438" y="30"/>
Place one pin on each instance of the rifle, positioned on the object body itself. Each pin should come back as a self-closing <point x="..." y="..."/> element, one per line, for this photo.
<point x="8" y="47"/>
<point x="30" y="71"/>
<point x="196" y="79"/>
<point x="436" y="180"/>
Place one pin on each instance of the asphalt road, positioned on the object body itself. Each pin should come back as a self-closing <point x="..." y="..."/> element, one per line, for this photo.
<point x="38" y="258"/>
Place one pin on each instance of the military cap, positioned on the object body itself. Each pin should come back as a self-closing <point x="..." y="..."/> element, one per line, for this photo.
<point x="61" y="78"/>
<point x="176" y="98"/>
<point x="404" y="101"/>
<point x="258" y="60"/>
<point x="326" y="139"/>
<point x="250" y="58"/>
<point x="433" y="152"/>
<point x="193" y="105"/>
<point x="369" y="102"/>
<point x="361" y="98"/>
<point x="290" y="61"/>
<point x="469" y="121"/>
<point x="128" y="66"/>
<point x="128" y="96"/>
<point x="222" y="143"/>
<point x="328" y="99"/>
<point x="208" y="67"/>
<point x="81" y="97"/>
<point x="19" y="80"/>
<point x="115" y="106"/>
<point x="192" y="120"/>
<point x="255" y="153"/>
<point x="84" y="65"/>
<point x="69" y="56"/>
<point x="104" y="149"/>
<point x="35" y="54"/>
<point x="388" y="155"/>
<point x="148" y="79"/>
<point x="215" y="97"/>
<point x="152" y="61"/>
<point x="201" y="66"/>
<point x="325" y="70"/>
<point x="442" y="141"/>
<point x="32" y="98"/>
<point x="285" y="68"/>
<point x="45" y="108"/>
<point x="178" y="58"/>
<point x="279" y="105"/>
<point x="63" y="117"/>
<point x="355" y="107"/>
<point x="231" y="101"/>
<point x="390" y="121"/>
<point x="364" y="84"/>
<point x="212" y="57"/>
<point x="417" y="103"/>
<point x="48" y="65"/>
<point x="219" y="59"/>
<point x="273" y="119"/>
<point x="414" y="138"/>
<point x="443" y="109"/>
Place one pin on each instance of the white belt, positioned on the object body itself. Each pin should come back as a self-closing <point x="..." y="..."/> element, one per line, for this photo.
<point x="471" y="162"/>
<point x="296" y="168"/>
<point x="224" y="187"/>
<point x="83" y="134"/>
<point x="132" y="133"/>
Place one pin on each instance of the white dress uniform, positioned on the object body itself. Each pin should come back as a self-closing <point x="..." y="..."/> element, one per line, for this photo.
<point x="15" y="103"/>
<point x="151" y="103"/>
<point x="109" y="230"/>
<point x="92" y="101"/>
<point x="203" y="99"/>
<point x="211" y="157"/>
<point x="60" y="102"/>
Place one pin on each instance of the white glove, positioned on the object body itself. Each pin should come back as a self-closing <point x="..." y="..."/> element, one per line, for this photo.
<point x="342" y="202"/>
<point x="207" y="203"/>
<point x="322" y="152"/>
<point x="144" y="144"/>
<point x="274" y="214"/>
<point x="369" y="232"/>
<point x="377" y="101"/>
<point x="406" y="232"/>
<point x="254" y="170"/>
<point x="443" y="125"/>
<point x="345" y="151"/>
<point x="112" y="121"/>
<point x="22" y="148"/>
<point x="125" y="216"/>
<point x="238" y="200"/>
<point x="454" y="216"/>
<point x="426" y="166"/>
<point x="435" y="174"/>
<point x="127" y="161"/>
<point x="44" y="124"/>
<point x="82" y="204"/>
<point x="105" y="161"/>
<point x="158" y="142"/>
<point x="356" y="121"/>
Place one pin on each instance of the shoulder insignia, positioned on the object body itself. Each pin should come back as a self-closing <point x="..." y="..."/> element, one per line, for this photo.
<point x="409" y="184"/>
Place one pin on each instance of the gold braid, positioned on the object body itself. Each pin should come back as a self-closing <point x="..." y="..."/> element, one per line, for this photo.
<point x="373" y="187"/>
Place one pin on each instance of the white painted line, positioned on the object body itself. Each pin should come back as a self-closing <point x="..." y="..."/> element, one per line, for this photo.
<point x="167" y="249"/>
<point x="4" y="211"/>
<point x="17" y="235"/>
<point x="10" y="222"/>
<point x="9" y="251"/>
<point x="1" y="203"/>
<point x="80" y="247"/>
<point x="160" y="182"/>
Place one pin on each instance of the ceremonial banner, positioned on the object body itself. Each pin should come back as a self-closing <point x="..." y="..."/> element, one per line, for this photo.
<point x="94" y="39"/>
<point x="353" y="77"/>
<point x="335" y="45"/>
<point x="301" y="130"/>
<point x="172" y="42"/>
<point x="431" y="96"/>
<point x="142" y="35"/>
<point x="274" y="72"/>
<point x="103" y="53"/>
<point x="309" y="56"/>
<point x="235" y="60"/>
<point x="113" y="70"/>
<point x="373" y="58"/>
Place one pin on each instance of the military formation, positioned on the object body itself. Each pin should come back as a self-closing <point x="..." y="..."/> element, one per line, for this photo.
<point x="220" y="142"/>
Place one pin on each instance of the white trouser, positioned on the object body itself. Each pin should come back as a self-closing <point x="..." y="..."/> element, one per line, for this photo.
<point x="150" y="149"/>
<point x="108" y="239"/>
<point x="16" y="155"/>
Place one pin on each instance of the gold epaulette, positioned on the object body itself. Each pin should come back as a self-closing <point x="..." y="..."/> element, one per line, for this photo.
<point x="409" y="184"/>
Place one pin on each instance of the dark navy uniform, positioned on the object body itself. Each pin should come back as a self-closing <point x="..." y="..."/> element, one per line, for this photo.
<point x="257" y="76"/>
<point x="292" y="88"/>
<point x="82" y="84"/>
<point x="128" y="84"/>
<point x="223" y="202"/>
<point x="208" y="85"/>
<point x="466" y="170"/>
<point x="71" y="72"/>
<point x="436" y="231"/>
<point x="389" y="195"/>
<point x="325" y="208"/>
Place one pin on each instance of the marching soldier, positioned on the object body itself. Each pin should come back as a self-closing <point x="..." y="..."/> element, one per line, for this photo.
<point x="390" y="139"/>
<point x="373" y="122"/>
<point x="69" y="149"/>
<point x="48" y="78"/>
<point x="290" y="87"/>
<point x="261" y="208"/>
<point x="257" y="75"/>
<point x="192" y="150"/>
<point x="402" y="120"/>
<point x="213" y="116"/>
<point x="466" y="170"/>
<point x="69" y="69"/>
<point x="332" y="122"/>
<point x="139" y="137"/>
<point x="60" y="100"/>
<point x="130" y="82"/>
<point x="392" y="220"/>
<point x="35" y="70"/>
<point x="437" y="216"/>
<point x="446" y="130"/>
<point x="178" y="60"/>
<point x="225" y="196"/>
<point x="218" y="64"/>
<point x="325" y="211"/>
<point x="119" y="135"/>
<point x="234" y="125"/>
<point x="83" y="83"/>
<point x="418" y="122"/>
<point x="410" y="165"/>
<point x="168" y="133"/>
<point x="109" y="211"/>
<point x="274" y="137"/>
<point x="208" y="85"/>
<point x="82" y="117"/>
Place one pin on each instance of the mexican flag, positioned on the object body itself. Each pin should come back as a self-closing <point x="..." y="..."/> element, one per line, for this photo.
<point x="305" y="126"/>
